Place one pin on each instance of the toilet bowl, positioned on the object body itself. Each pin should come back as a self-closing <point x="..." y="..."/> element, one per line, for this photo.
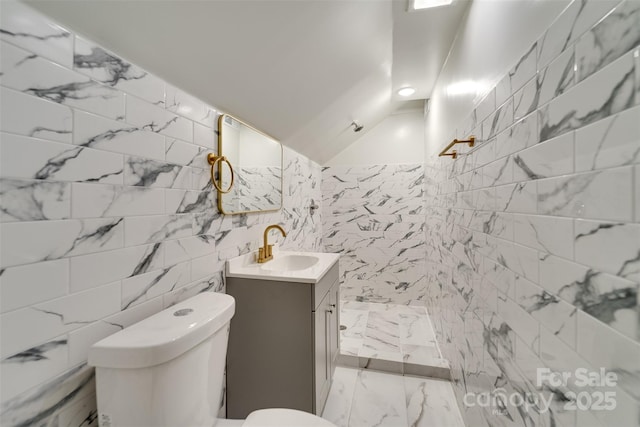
<point x="168" y="371"/>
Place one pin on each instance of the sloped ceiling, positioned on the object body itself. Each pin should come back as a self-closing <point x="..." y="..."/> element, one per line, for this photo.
<point x="300" y="71"/>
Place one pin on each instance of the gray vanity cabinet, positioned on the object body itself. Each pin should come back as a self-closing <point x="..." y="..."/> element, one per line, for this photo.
<point x="283" y="344"/>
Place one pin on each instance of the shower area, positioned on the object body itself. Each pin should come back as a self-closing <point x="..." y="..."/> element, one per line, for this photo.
<point x="373" y="215"/>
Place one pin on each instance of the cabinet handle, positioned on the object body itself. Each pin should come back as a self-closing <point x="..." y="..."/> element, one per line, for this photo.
<point x="332" y="305"/>
<point x="330" y="311"/>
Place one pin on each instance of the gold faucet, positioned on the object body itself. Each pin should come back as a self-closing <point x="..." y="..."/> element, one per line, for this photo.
<point x="265" y="253"/>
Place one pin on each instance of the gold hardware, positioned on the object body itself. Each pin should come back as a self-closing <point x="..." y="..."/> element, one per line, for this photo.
<point x="266" y="253"/>
<point x="454" y="153"/>
<point x="213" y="160"/>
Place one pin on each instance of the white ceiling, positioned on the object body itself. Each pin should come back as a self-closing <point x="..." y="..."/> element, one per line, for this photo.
<point x="300" y="71"/>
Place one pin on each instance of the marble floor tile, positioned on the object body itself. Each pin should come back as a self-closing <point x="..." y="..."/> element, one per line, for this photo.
<point x="382" y="332"/>
<point x="389" y="337"/>
<point x="378" y="400"/>
<point x="360" y="398"/>
<point x="420" y="354"/>
<point x="355" y="322"/>
<point x="431" y="403"/>
<point x="338" y="406"/>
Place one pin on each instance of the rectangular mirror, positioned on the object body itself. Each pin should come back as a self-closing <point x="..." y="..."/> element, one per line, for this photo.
<point x="257" y="166"/>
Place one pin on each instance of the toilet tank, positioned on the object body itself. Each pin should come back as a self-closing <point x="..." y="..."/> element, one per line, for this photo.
<point x="166" y="370"/>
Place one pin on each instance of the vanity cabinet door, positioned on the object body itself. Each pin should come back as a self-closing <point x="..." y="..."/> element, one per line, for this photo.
<point x="322" y="327"/>
<point x="334" y="326"/>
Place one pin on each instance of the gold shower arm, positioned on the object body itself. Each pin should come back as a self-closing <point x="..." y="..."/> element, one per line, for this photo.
<point x="454" y="153"/>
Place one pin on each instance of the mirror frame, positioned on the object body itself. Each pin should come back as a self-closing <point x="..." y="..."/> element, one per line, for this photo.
<point x="220" y="153"/>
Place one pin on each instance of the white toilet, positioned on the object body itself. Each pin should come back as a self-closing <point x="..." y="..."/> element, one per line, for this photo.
<point x="167" y="370"/>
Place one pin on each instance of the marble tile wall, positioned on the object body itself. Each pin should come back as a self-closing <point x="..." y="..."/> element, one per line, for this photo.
<point x="106" y="210"/>
<point x="533" y="237"/>
<point x="374" y="217"/>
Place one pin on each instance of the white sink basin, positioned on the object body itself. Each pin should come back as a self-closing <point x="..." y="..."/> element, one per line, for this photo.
<point x="290" y="263"/>
<point x="287" y="266"/>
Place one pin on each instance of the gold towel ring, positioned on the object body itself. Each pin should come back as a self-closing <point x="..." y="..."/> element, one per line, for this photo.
<point x="213" y="160"/>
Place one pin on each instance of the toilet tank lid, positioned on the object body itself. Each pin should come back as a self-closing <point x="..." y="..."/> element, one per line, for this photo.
<point x="165" y="335"/>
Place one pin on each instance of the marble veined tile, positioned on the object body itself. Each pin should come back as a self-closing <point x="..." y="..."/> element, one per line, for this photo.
<point x="92" y="270"/>
<point x="141" y="172"/>
<point x="518" y="198"/>
<point x="183" y="201"/>
<point x="562" y="277"/>
<point x="486" y="106"/>
<point x="382" y="332"/>
<point x="186" y="154"/>
<point x="150" y="229"/>
<point x="113" y="71"/>
<point x="550" y="158"/>
<point x="156" y="119"/>
<point x="93" y="131"/>
<point x="355" y="322"/>
<point x="521" y="322"/>
<point x="187" y="248"/>
<point x="588" y="195"/>
<point x="576" y="19"/>
<point x="500" y="120"/>
<point x="431" y="402"/>
<point x="525" y="69"/>
<point x="143" y="287"/>
<point x="521" y="135"/>
<point x="611" y="142"/>
<point x="416" y="329"/>
<point x="546" y="233"/>
<point x="607" y="92"/>
<point x="552" y="312"/>
<point x="612" y="37"/>
<point x="213" y="283"/>
<point x="28" y="327"/>
<point x="54" y="400"/>
<point x="603" y="347"/>
<point x="190" y="107"/>
<point x="378" y="400"/>
<point x="30" y="284"/>
<point x="205" y="136"/>
<point x="32" y="116"/>
<point x="425" y="355"/>
<point x="610" y="247"/>
<point x="28" y="242"/>
<point x="33" y="75"/>
<point x="95" y="200"/>
<point x="32" y="158"/>
<point x="24" y="27"/>
<point x="34" y="366"/>
<point x="338" y="406"/>
<point x="526" y="100"/>
<point x="557" y="77"/>
<point x="34" y="200"/>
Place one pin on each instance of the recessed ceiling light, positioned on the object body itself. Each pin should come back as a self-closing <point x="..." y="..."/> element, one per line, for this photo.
<point x="406" y="91"/>
<point x="424" y="4"/>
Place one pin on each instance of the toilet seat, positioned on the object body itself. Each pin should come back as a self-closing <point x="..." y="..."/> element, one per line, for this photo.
<point x="277" y="417"/>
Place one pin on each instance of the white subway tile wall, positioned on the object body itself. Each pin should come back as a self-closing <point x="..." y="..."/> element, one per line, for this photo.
<point x="107" y="214"/>
<point x="533" y="237"/>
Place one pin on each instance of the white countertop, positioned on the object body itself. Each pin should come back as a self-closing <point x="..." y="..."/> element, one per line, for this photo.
<point x="246" y="266"/>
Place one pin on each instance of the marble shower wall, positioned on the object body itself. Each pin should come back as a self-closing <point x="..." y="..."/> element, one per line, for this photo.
<point x="533" y="237"/>
<point x="107" y="214"/>
<point x="374" y="217"/>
